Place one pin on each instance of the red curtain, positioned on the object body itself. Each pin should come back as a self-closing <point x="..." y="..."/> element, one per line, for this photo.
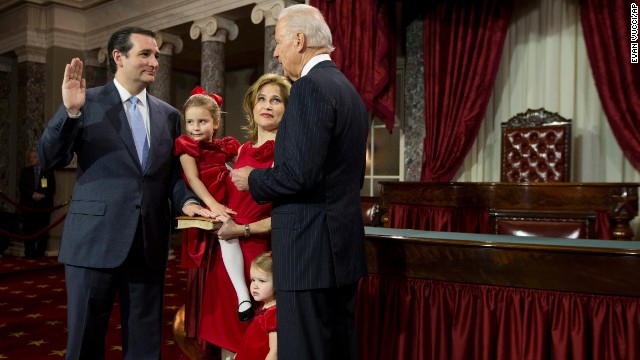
<point x="603" y="227"/>
<point x="463" y="42"/>
<point x="424" y="319"/>
<point x="432" y="218"/>
<point x="607" y="33"/>
<point x="365" y="50"/>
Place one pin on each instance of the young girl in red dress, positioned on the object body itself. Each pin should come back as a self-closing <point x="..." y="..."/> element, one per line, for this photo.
<point x="260" y="341"/>
<point x="203" y="159"/>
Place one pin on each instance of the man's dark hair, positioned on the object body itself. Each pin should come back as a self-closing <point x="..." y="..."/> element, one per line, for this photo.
<point x="121" y="40"/>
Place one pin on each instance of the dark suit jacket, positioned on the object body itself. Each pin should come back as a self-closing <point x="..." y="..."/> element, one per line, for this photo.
<point x="112" y="191"/>
<point x="29" y="184"/>
<point x="318" y="234"/>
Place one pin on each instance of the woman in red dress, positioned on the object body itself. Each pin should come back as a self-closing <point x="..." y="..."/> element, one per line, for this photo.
<point x="264" y="104"/>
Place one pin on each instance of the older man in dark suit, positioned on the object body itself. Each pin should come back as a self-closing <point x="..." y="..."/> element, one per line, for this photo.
<point x="319" y="164"/>
<point x="116" y="233"/>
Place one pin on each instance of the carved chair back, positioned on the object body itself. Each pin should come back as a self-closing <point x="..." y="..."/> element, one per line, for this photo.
<point x="536" y="147"/>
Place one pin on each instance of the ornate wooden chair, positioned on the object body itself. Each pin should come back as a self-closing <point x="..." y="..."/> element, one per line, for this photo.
<point x="536" y="147"/>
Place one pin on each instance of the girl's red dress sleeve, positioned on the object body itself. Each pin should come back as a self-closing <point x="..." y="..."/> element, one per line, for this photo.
<point x="270" y="320"/>
<point x="231" y="145"/>
<point x="186" y="145"/>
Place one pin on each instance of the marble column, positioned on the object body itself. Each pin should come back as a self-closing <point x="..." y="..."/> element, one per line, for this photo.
<point x="30" y="120"/>
<point x="5" y="124"/>
<point x="214" y="31"/>
<point x="31" y="93"/>
<point x="269" y="11"/>
<point x="414" y="102"/>
<point x="94" y="70"/>
<point x="169" y="44"/>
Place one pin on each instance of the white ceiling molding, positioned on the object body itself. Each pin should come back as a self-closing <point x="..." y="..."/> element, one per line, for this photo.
<point x="86" y="25"/>
<point x="41" y="27"/>
<point x="162" y="15"/>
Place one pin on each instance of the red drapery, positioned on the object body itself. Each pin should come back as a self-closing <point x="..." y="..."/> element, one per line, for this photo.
<point x="603" y="227"/>
<point x="463" y="42"/>
<point x="424" y="319"/>
<point x="607" y="33"/>
<point x="439" y="219"/>
<point x="365" y="50"/>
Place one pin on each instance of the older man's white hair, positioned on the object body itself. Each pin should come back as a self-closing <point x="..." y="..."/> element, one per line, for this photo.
<point x="309" y="21"/>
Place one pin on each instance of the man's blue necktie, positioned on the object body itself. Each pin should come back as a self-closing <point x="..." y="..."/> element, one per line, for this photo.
<point x="139" y="131"/>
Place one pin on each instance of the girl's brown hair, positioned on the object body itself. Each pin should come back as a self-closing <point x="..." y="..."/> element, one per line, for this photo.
<point x="264" y="262"/>
<point x="205" y="101"/>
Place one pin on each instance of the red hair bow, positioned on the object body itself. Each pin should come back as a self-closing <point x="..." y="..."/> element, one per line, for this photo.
<point x="199" y="90"/>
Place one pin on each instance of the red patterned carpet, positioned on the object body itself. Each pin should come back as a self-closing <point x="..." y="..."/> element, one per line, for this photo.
<point x="33" y="310"/>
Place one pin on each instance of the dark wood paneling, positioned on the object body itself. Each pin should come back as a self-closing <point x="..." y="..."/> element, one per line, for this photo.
<point x="619" y="200"/>
<point x="586" y="266"/>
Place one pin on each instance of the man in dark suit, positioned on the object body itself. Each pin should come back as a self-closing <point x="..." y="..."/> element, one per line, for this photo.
<point x="117" y="229"/>
<point x="36" y="193"/>
<point x="318" y="234"/>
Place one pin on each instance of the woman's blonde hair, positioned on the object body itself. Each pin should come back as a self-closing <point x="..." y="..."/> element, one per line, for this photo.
<point x="251" y="96"/>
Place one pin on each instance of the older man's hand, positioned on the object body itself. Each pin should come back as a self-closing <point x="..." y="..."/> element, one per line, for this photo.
<point x="240" y="177"/>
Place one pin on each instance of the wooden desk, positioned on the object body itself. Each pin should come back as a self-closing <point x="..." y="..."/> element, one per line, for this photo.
<point x="445" y="295"/>
<point x="605" y="267"/>
<point x="618" y="200"/>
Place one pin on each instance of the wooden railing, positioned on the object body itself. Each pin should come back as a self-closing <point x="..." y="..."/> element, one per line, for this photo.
<point x="619" y="201"/>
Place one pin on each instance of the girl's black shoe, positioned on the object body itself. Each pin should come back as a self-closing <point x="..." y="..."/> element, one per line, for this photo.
<point x="247" y="314"/>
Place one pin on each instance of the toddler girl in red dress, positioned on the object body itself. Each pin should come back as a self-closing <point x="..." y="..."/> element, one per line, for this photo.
<point x="260" y="341"/>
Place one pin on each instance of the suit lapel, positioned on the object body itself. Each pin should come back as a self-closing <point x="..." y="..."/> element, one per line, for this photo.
<point x="158" y="127"/>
